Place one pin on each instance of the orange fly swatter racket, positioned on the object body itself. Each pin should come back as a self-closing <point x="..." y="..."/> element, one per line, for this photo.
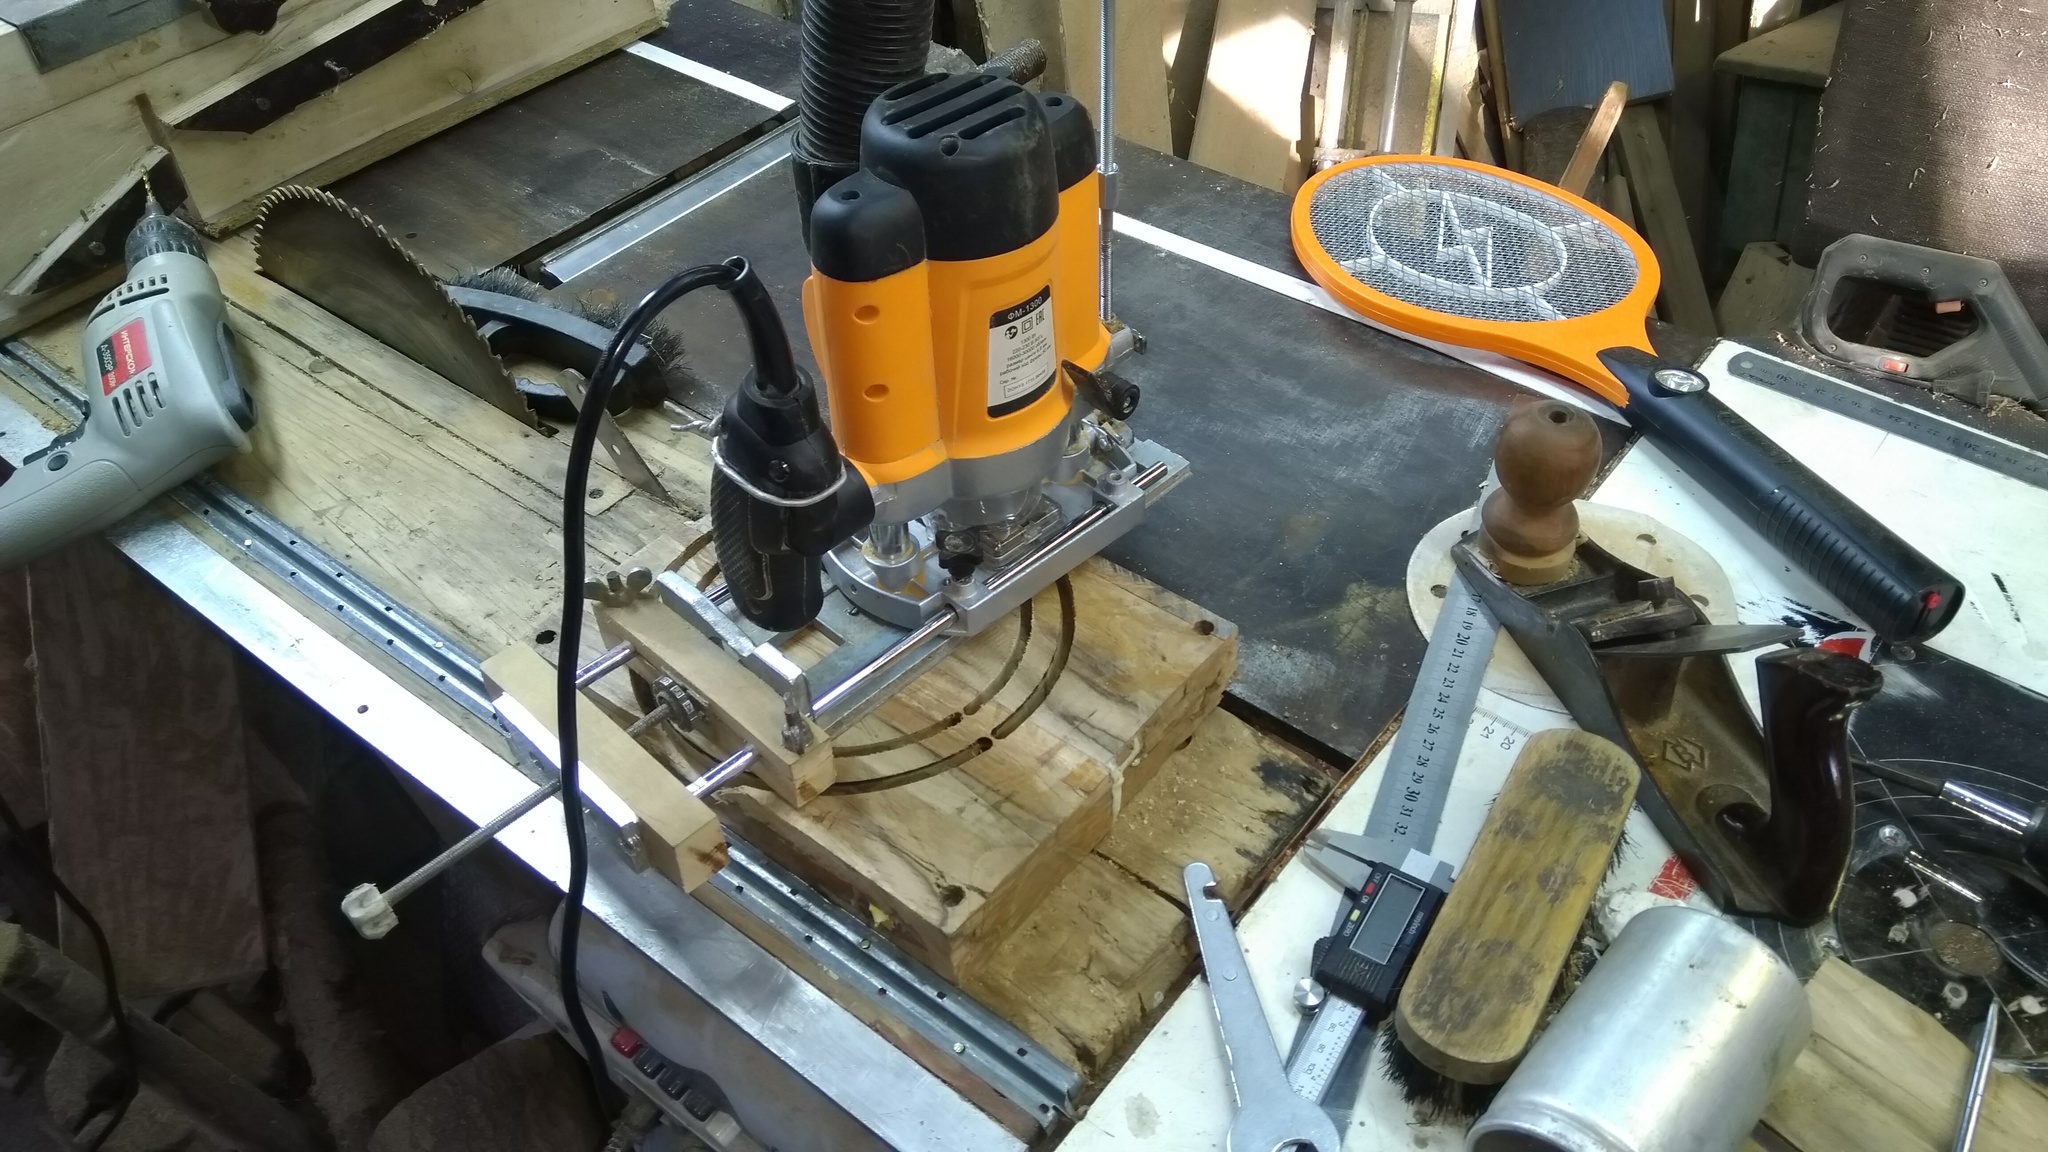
<point x="1473" y="255"/>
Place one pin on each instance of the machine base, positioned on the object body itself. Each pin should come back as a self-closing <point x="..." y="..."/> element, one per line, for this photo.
<point x="1100" y="505"/>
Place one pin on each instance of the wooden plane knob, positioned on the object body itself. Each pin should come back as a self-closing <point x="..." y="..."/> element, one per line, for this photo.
<point x="1546" y="457"/>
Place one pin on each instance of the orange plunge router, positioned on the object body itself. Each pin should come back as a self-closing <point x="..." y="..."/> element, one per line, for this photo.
<point x="955" y="311"/>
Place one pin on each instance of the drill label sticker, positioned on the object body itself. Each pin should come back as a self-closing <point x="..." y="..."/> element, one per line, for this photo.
<point x="1021" y="360"/>
<point x="123" y="355"/>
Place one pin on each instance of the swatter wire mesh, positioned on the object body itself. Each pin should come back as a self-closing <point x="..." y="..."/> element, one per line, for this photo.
<point x="1467" y="244"/>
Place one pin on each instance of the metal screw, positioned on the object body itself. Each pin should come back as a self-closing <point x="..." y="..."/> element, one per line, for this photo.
<point x="959" y="1048"/>
<point x="1308" y="995"/>
<point x="1680" y="380"/>
<point x="1892" y="836"/>
<point x="654" y="716"/>
<point x="684" y="709"/>
<point x="795" y="735"/>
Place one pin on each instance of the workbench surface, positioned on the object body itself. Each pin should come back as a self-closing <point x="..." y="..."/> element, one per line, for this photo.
<point x="1322" y="449"/>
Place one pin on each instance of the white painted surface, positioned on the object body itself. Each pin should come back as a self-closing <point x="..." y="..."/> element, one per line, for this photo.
<point x="1983" y="527"/>
<point x="1174" y="1093"/>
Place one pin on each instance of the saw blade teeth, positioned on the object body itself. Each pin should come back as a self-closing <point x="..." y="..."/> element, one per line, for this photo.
<point x="448" y="344"/>
<point x="335" y="203"/>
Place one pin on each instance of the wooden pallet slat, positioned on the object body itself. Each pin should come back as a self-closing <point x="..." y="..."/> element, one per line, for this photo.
<point x="1142" y="34"/>
<point x="1647" y="163"/>
<point x="1249" y="120"/>
<point x="950" y="865"/>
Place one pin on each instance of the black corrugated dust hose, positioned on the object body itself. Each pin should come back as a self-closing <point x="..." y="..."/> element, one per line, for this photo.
<point x="852" y="50"/>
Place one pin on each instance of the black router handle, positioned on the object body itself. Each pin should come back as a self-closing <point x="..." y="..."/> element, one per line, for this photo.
<point x="1885" y="581"/>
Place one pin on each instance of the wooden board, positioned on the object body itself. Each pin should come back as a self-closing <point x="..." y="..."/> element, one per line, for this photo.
<point x="1484" y="975"/>
<point x="1689" y="115"/>
<point x="477" y="60"/>
<point x="1578" y="174"/>
<point x="1249" y="123"/>
<point x="56" y="189"/>
<point x="1461" y="70"/>
<point x="1757" y="169"/>
<point x="1763" y="298"/>
<point x="1801" y="52"/>
<point x="148" y="802"/>
<point x="27" y="91"/>
<point x="1089" y="970"/>
<point x="949" y="866"/>
<point x="1006" y="22"/>
<point x="1880" y="1075"/>
<point x="1144" y="34"/>
<point x="1647" y="163"/>
<point x="21" y="312"/>
<point x="1564" y="55"/>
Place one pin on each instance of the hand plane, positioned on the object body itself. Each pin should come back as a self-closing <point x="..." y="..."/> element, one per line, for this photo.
<point x="1761" y="815"/>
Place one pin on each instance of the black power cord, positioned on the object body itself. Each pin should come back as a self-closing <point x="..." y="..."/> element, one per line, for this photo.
<point x="570" y="635"/>
<point x="124" y="1042"/>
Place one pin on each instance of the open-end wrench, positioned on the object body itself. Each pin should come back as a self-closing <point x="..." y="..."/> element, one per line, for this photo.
<point x="1269" y="1114"/>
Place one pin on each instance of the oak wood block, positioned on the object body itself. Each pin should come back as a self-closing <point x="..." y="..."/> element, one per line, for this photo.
<point x="1880" y="1075"/>
<point x="1479" y="986"/>
<point x="948" y="867"/>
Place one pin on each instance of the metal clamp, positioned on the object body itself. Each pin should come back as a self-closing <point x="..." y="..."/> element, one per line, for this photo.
<point x="763" y="660"/>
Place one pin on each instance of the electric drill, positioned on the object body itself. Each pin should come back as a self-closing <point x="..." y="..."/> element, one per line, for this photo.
<point x="164" y="399"/>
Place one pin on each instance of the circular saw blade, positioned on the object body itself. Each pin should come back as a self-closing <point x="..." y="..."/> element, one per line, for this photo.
<point x="316" y="245"/>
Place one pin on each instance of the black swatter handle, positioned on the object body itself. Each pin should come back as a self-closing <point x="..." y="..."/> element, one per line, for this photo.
<point x="1886" y="582"/>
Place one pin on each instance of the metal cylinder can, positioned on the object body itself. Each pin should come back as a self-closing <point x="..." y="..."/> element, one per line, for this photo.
<point x="1671" y="1044"/>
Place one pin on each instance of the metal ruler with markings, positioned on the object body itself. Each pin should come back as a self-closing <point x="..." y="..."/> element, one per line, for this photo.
<point x="1410" y="800"/>
<point x="1916" y="424"/>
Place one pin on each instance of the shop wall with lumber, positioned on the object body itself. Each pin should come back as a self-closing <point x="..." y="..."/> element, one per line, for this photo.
<point x="1269" y="90"/>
